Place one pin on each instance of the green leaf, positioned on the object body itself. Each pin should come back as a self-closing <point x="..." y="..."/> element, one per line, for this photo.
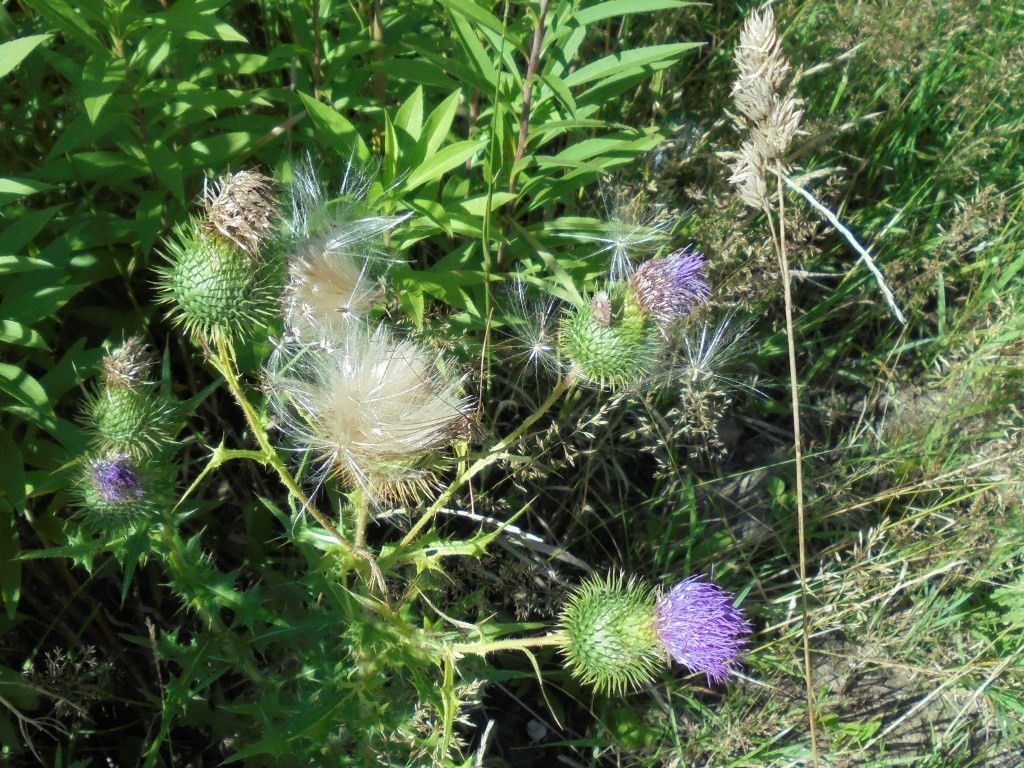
<point x="617" y="8"/>
<point x="438" y="125"/>
<point x="484" y="68"/>
<point x="410" y="117"/>
<point x="476" y="13"/>
<point x="101" y="77"/>
<point x="440" y="163"/>
<point x="627" y="63"/>
<point x="15" y="188"/>
<point x="12" y="502"/>
<point x="12" y="52"/>
<point x="69" y="21"/>
<point x="13" y="332"/>
<point x="336" y="131"/>
<point x="23" y="388"/>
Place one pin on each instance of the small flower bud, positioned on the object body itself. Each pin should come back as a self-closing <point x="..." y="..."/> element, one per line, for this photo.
<point x="608" y="635"/>
<point x="136" y="422"/>
<point x="668" y="288"/>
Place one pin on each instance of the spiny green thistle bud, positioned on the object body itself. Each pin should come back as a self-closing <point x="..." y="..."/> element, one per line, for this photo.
<point x="121" y="491"/>
<point x="215" y="290"/>
<point x="609" y="637"/>
<point x="137" y="422"/>
<point x="127" y="415"/>
<point x="610" y="342"/>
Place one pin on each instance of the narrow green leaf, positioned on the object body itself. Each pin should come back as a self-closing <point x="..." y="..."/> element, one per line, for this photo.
<point x="438" y="125"/>
<point x="410" y="117"/>
<point x="616" y="8"/>
<point x="448" y="158"/>
<point x="69" y="21"/>
<point x="335" y="129"/>
<point x="12" y="52"/>
<point x="12" y="332"/>
<point x="12" y="502"/>
<point x="475" y="13"/>
<point x="484" y="68"/>
<point x="15" y="188"/>
<point x="625" y="63"/>
<point x="23" y="387"/>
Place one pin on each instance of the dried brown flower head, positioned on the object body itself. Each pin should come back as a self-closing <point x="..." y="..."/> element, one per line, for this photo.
<point x="128" y="366"/>
<point x="241" y="208"/>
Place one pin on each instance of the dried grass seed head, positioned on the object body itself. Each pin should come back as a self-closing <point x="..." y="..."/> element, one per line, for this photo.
<point x="750" y="176"/>
<point x="241" y="208"/>
<point x="374" y="409"/>
<point x="762" y="65"/>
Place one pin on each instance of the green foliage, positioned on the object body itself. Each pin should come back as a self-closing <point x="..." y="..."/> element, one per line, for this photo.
<point x="241" y="608"/>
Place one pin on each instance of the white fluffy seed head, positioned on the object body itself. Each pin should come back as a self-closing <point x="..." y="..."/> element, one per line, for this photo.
<point x="337" y="254"/>
<point x="373" y="409"/>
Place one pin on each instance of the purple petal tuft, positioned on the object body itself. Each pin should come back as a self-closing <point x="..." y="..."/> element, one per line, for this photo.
<point x="116" y="480"/>
<point x="701" y="629"/>
<point x="668" y="288"/>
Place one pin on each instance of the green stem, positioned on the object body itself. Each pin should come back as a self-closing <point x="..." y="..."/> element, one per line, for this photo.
<point x="361" y="506"/>
<point x="492" y="455"/>
<point x="223" y="361"/>
<point x="556" y="639"/>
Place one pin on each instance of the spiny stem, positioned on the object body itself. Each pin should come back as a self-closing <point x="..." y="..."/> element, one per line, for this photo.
<point x="492" y="455"/>
<point x="794" y="391"/>
<point x="223" y="361"/>
<point x="518" y="644"/>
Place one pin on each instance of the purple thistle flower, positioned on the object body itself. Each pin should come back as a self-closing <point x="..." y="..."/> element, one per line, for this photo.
<point x="668" y="288"/>
<point x="700" y="628"/>
<point x="116" y="480"/>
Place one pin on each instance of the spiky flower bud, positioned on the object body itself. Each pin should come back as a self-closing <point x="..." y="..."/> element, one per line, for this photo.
<point x="119" y="491"/>
<point x="213" y="288"/>
<point x="610" y="342"/>
<point x="608" y="635"/>
<point x="668" y="288"/>
<point x="372" y="408"/>
<point x="136" y="422"/>
<point x="240" y="209"/>
<point x="700" y="628"/>
<point x="129" y="366"/>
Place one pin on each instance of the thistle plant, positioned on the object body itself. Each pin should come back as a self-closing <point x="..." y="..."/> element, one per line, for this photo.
<point x="617" y="340"/>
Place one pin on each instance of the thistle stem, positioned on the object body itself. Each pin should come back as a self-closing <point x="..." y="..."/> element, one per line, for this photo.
<point x="492" y="455"/>
<point x="518" y="644"/>
<point x="223" y="361"/>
